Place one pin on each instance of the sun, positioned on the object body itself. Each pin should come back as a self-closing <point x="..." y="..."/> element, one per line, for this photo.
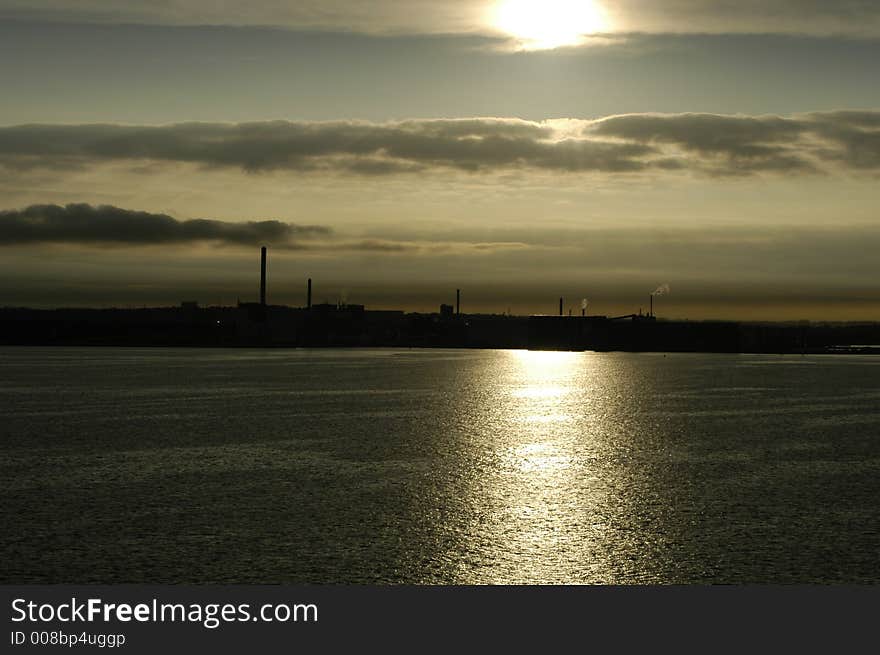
<point x="545" y="24"/>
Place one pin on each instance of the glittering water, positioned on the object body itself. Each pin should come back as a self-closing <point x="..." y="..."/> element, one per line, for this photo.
<point x="162" y="465"/>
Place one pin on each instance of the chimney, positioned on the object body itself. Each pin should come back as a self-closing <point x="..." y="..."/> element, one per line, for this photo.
<point x="309" y="295"/>
<point x="560" y="306"/>
<point x="651" y="311"/>
<point x="263" y="276"/>
<point x="457" y="302"/>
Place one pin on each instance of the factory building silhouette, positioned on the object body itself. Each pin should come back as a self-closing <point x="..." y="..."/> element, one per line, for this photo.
<point x="349" y="325"/>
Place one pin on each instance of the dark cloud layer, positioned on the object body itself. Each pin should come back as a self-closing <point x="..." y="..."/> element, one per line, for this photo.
<point x="359" y="147"/>
<point x="721" y="144"/>
<point x="745" y="144"/>
<point x="85" y="224"/>
<point x="706" y="143"/>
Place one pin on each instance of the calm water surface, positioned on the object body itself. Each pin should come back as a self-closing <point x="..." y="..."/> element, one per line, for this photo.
<point x="173" y="465"/>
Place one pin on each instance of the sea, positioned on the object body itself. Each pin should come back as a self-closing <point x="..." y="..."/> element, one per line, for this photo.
<point x="360" y="466"/>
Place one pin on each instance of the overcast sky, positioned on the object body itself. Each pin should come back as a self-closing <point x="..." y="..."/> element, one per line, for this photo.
<point x="394" y="151"/>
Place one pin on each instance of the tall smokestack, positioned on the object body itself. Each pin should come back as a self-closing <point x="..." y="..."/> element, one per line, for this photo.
<point x="309" y="295"/>
<point x="651" y="311"/>
<point x="457" y="302"/>
<point x="560" y="306"/>
<point x="263" y="276"/>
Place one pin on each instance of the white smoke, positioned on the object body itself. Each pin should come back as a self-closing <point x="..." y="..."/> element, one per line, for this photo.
<point x="662" y="290"/>
<point x="584" y="303"/>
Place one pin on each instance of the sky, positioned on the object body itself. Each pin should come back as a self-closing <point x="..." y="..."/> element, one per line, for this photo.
<point x="395" y="151"/>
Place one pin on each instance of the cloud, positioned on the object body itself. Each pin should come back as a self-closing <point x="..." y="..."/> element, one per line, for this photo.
<point x="735" y="145"/>
<point x="345" y="146"/>
<point x="429" y="247"/>
<point x="722" y="144"/>
<point x="813" y="17"/>
<point x="816" y="17"/>
<point x="856" y="135"/>
<point x="85" y="224"/>
<point x="705" y="143"/>
<point x="377" y="17"/>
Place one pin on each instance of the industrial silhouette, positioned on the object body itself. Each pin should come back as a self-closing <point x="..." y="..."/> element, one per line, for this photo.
<point x="263" y="276"/>
<point x="345" y="324"/>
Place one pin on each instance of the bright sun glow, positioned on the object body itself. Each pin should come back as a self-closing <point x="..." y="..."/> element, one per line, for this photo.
<point x="544" y="24"/>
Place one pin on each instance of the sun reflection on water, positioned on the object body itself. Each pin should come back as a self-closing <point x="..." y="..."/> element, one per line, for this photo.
<point x="544" y="387"/>
<point x="535" y="457"/>
<point x="545" y="364"/>
<point x="540" y="485"/>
